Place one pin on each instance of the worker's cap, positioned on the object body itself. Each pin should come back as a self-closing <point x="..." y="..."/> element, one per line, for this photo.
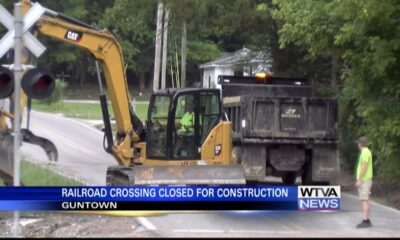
<point x="363" y="141"/>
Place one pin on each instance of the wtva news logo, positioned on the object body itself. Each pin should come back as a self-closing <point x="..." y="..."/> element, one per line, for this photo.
<point x="319" y="198"/>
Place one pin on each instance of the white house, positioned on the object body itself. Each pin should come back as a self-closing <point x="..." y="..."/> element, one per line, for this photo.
<point x="243" y="62"/>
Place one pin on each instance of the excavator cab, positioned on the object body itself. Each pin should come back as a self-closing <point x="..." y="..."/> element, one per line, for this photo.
<point x="187" y="143"/>
<point x="179" y="121"/>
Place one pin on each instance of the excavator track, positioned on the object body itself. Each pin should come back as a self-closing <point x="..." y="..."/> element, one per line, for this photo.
<point x="176" y="175"/>
<point x="119" y="176"/>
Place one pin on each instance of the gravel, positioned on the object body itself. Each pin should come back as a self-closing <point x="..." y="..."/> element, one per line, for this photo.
<point x="57" y="225"/>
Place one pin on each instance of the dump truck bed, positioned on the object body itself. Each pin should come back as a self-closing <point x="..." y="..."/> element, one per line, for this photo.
<point x="281" y="119"/>
<point x="277" y="109"/>
<point x="281" y="129"/>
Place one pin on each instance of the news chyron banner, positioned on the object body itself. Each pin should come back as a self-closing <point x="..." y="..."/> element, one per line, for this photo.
<point x="304" y="198"/>
<point x="319" y="198"/>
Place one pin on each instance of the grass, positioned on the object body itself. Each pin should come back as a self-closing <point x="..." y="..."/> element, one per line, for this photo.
<point x="90" y="91"/>
<point x="36" y="175"/>
<point x="90" y="111"/>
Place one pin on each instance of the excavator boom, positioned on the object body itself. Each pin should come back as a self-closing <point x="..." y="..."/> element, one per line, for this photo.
<point x="105" y="49"/>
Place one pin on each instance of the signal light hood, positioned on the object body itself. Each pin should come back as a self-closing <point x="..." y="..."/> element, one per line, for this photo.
<point x="38" y="83"/>
<point x="6" y="82"/>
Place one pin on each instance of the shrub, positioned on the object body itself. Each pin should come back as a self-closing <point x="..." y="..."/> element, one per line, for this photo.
<point x="58" y="94"/>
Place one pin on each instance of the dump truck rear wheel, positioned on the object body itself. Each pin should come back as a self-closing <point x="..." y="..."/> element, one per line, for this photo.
<point x="251" y="183"/>
<point x="289" y="178"/>
<point x="306" y="176"/>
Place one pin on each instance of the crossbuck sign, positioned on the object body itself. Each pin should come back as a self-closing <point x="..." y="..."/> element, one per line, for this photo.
<point x="33" y="14"/>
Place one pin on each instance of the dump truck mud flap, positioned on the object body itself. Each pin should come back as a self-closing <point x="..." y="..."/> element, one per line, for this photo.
<point x="176" y="175"/>
<point x="325" y="163"/>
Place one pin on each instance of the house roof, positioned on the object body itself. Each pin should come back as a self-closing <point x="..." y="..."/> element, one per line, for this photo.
<point x="241" y="56"/>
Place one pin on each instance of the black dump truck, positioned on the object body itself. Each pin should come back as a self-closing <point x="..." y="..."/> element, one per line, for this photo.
<point x="280" y="129"/>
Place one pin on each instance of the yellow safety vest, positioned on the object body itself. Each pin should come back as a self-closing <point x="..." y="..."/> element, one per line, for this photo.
<point x="187" y="120"/>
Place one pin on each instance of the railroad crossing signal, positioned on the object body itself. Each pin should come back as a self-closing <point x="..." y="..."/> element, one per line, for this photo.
<point x="37" y="83"/>
<point x="33" y="14"/>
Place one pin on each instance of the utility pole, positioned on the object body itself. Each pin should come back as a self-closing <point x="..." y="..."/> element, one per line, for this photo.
<point x="183" y="56"/>
<point x="164" y="54"/>
<point x="157" y="57"/>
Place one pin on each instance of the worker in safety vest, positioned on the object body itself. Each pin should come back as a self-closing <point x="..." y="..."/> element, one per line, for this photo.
<point x="187" y="121"/>
<point x="185" y="130"/>
<point x="364" y="180"/>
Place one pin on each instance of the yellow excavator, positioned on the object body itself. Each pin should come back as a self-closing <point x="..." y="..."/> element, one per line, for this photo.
<point x="162" y="151"/>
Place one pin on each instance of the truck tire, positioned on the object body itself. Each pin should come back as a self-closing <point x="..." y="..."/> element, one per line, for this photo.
<point x="252" y="183"/>
<point x="306" y="176"/>
<point x="289" y="178"/>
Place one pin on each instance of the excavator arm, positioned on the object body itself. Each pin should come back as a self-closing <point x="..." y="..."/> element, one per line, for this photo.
<point x="105" y="48"/>
<point x="213" y="163"/>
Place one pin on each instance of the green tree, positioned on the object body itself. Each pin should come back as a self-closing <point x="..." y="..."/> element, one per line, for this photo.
<point x="62" y="57"/>
<point x="363" y="39"/>
<point x="133" y="22"/>
<point x="198" y="16"/>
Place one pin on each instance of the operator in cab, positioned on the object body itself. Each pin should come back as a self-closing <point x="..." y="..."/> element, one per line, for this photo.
<point x="186" y="124"/>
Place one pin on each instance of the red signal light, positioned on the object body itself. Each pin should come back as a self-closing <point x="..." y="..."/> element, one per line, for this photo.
<point x="42" y="83"/>
<point x="4" y="80"/>
<point x="6" y="83"/>
<point x="38" y="83"/>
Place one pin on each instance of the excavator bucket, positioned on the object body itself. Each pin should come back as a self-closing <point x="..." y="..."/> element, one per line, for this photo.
<point x="176" y="175"/>
<point x="6" y="151"/>
<point x="47" y="145"/>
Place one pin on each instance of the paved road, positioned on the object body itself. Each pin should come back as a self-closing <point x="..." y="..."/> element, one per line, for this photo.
<point x="79" y="145"/>
<point x="82" y="156"/>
